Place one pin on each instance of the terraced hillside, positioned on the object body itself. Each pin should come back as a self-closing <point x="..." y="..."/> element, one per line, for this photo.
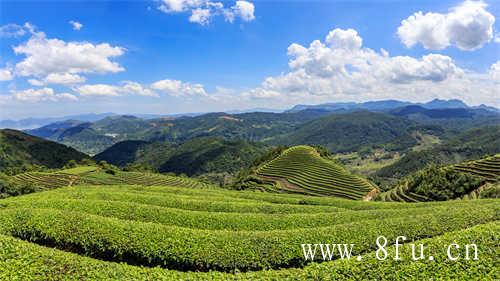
<point x="477" y="176"/>
<point x="95" y="176"/>
<point x="168" y="233"/>
<point x="488" y="168"/>
<point x="300" y="169"/>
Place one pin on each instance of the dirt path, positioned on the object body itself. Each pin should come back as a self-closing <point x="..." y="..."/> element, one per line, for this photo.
<point x="369" y="196"/>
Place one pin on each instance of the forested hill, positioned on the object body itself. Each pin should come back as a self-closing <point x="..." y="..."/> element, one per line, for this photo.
<point x="357" y="130"/>
<point x="195" y="157"/>
<point x="20" y="151"/>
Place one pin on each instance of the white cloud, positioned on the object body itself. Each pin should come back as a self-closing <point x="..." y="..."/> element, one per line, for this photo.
<point x="178" y="88"/>
<point x="243" y="9"/>
<point x="201" y="16"/>
<point x="341" y="69"/>
<point x="6" y="74"/>
<point x="11" y="30"/>
<point x="58" y="78"/>
<point x="203" y="10"/>
<point x="344" y="39"/>
<point x="76" y="25"/>
<point x="176" y="6"/>
<point x="138" y="89"/>
<point x="106" y="90"/>
<point x="46" y="56"/>
<point x="468" y="27"/>
<point x="103" y="90"/>
<point x="44" y="94"/>
<point x="495" y="73"/>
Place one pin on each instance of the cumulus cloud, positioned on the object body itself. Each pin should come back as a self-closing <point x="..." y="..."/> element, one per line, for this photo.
<point x="468" y="27"/>
<point x="43" y="94"/>
<point x="242" y="9"/>
<point x="138" y="89"/>
<point x="178" y="88"/>
<point x="45" y="56"/>
<point x="58" y="78"/>
<point x="6" y="74"/>
<point x="106" y="90"/>
<point x="103" y="90"/>
<point x="201" y="16"/>
<point x="341" y="69"/>
<point x="76" y="25"/>
<point x="11" y="30"/>
<point x="202" y="11"/>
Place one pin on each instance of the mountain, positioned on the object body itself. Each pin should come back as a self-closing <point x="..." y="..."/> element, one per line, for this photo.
<point x="458" y="118"/>
<point x="31" y="123"/>
<point x="95" y="137"/>
<point x="349" y="106"/>
<point x="445" y="113"/>
<point x="354" y="131"/>
<point x="20" y="151"/>
<point x="387" y="105"/>
<point x="438" y="103"/>
<point x="195" y="157"/>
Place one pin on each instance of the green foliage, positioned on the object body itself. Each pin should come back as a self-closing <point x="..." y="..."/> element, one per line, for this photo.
<point x="10" y="187"/>
<point x="20" y="152"/>
<point x="354" y="131"/>
<point x="306" y="172"/>
<point x="472" y="144"/>
<point x="147" y="235"/>
<point x="211" y="158"/>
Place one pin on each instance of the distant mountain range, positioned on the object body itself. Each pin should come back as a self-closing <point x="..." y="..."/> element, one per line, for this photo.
<point x="387" y="105"/>
<point x="317" y="124"/>
<point x="377" y="106"/>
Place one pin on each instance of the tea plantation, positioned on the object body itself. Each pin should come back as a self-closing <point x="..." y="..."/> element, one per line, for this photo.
<point x="133" y="232"/>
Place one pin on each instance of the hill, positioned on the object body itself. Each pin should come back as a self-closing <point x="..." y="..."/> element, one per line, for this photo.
<point x="355" y="131"/>
<point x="212" y="157"/>
<point x="445" y="183"/>
<point x="383" y="105"/>
<point x="471" y="144"/>
<point x="301" y="169"/>
<point x="20" y="151"/>
<point x="95" y="137"/>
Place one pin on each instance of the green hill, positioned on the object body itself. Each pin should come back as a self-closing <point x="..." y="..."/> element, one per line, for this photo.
<point x="94" y="175"/>
<point x="465" y="180"/>
<point x="95" y="137"/>
<point x="354" y="131"/>
<point x="301" y="169"/>
<point x="471" y="144"/>
<point x="20" y="151"/>
<point x="199" y="156"/>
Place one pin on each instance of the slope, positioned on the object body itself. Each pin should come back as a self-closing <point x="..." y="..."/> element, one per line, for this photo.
<point x="354" y="131"/>
<point x="301" y="169"/>
<point x="20" y="151"/>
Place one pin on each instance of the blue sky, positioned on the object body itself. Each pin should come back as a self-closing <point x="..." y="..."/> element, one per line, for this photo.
<point x="238" y="57"/>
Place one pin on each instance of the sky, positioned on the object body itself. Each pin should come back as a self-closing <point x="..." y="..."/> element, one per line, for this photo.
<point x="176" y="56"/>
